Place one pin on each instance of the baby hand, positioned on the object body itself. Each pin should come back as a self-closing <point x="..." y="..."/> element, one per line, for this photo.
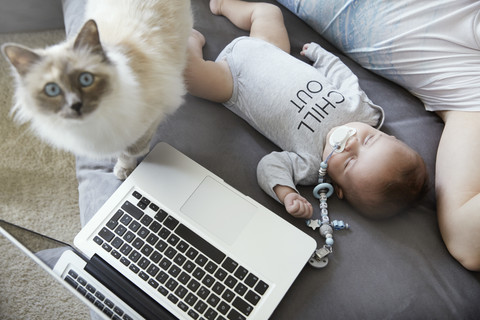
<point x="298" y="206"/>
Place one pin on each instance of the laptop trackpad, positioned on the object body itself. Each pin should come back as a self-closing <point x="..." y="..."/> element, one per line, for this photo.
<point x="219" y="210"/>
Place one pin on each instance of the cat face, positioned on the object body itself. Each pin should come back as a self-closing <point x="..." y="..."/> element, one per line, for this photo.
<point x="67" y="80"/>
<point x="67" y="90"/>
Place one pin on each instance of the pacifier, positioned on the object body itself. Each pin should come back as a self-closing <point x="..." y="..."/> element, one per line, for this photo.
<point x="340" y="136"/>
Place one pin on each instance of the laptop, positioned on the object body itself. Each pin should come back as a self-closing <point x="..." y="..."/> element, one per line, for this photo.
<point x="175" y="241"/>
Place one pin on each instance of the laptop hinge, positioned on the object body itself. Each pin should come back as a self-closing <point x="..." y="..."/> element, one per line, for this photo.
<point x="126" y="290"/>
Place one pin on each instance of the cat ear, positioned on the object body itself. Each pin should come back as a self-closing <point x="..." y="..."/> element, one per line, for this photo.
<point x="20" y="57"/>
<point x="89" y="38"/>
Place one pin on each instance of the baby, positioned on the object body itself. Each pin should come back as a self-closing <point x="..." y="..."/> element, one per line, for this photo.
<point x="304" y="109"/>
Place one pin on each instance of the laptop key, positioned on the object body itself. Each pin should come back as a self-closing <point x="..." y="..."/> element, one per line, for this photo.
<point x="107" y="247"/>
<point x="241" y="273"/>
<point x="161" y="215"/>
<point x="146" y="220"/>
<point x="240" y="289"/>
<point x="235" y="315"/>
<point x="164" y="233"/>
<point x="145" y="201"/>
<point x="229" y="265"/>
<point x="118" y="311"/>
<point x="261" y="287"/>
<point x="170" y="222"/>
<point x="223" y="307"/>
<point x="201" y="307"/>
<point x="191" y="299"/>
<point x="192" y="314"/>
<point x="182" y="306"/>
<point x="252" y="297"/>
<point x="132" y="210"/>
<point x="200" y="243"/>
<point x="126" y="219"/>
<point x="155" y="226"/>
<point x="154" y="207"/>
<point x="251" y="280"/>
<point x="143" y="233"/>
<point x="134" y="226"/>
<point x="112" y="223"/>
<point x="221" y="274"/>
<point x="125" y="261"/>
<point x="134" y="256"/>
<point x="106" y="234"/>
<point x="71" y="282"/>
<point x="228" y="295"/>
<point x="211" y="314"/>
<point x="73" y="274"/>
<point x="134" y="268"/>
<point x="120" y="230"/>
<point x="117" y="243"/>
<point x="137" y="195"/>
<point x="129" y="236"/>
<point x="242" y="306"/>
<point x="181" y="291"/>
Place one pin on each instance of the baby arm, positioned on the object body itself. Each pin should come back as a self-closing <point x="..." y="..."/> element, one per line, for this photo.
<point x="294" y="203"/>
<point x="279" y="172"/>
<point x="331" y="66"/>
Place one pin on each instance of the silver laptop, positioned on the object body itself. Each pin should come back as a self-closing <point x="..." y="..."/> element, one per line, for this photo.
<point x="176" y="241"/>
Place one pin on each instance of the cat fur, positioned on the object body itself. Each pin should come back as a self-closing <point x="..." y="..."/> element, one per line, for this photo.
<point x="136" y="50"/>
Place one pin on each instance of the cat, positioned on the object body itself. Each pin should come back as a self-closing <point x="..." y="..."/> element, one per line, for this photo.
<point x="104" y="92"/>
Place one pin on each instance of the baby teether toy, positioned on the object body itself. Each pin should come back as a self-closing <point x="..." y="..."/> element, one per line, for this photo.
<point x="322" y="191"/>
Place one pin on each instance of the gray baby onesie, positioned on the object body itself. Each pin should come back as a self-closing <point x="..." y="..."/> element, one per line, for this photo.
<point x="294" y="105"/>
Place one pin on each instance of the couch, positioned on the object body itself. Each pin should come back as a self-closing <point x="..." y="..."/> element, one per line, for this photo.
<point x="396" y="268"/>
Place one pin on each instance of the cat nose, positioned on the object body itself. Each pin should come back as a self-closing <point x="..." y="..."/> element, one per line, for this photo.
<point x="77" y="106"/>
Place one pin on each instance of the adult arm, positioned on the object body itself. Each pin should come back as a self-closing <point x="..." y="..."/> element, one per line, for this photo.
<point x="458" y="186"/>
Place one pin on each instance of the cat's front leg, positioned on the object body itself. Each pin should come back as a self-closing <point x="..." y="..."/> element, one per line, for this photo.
<point x="124" y="166"/>
<point x="127" y="161"/>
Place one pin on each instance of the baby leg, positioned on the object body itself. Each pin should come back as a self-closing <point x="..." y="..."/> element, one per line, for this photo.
<point x="206" y="79"/>
<point x="263" y="20"/>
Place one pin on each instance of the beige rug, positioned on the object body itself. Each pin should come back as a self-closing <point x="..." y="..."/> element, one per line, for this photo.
<point x="38" y="190"/>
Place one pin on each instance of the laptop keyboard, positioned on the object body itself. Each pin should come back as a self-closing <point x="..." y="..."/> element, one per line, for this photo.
<point x="96" y="296"/>
<point x="198" y="278"/>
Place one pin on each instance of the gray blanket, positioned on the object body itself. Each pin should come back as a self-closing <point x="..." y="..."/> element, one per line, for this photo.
<point x="396" y="269"/>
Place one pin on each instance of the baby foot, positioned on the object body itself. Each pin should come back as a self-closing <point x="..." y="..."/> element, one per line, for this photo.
<point x="196" y="39"/>
<point x="216" y="7"/>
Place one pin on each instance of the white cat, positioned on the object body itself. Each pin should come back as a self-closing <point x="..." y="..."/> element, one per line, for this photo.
<point x="104" y="92"/>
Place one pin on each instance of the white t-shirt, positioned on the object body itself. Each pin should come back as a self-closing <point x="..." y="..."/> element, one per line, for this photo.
<point x="432" y="48"/>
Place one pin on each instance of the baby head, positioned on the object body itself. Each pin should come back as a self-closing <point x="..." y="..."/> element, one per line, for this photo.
<point x="376" y="173"/>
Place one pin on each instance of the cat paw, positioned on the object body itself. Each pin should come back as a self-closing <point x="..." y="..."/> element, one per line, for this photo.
<point x="122" y="172"/>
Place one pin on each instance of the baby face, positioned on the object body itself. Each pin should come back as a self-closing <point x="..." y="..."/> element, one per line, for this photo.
<point x="369" y="158"/>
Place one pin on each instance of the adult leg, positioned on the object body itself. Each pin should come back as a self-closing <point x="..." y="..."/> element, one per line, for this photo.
<point x="458" y="186"/>
<point x="263" y="20"/>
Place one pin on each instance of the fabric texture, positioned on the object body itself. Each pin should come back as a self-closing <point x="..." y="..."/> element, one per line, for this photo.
<point x="294" y="104"/>
<point x="432" y="48"/>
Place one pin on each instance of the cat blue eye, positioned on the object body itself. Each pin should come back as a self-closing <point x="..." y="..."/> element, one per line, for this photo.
<point x="52" y="89"/>
<point x="85" y="79"/>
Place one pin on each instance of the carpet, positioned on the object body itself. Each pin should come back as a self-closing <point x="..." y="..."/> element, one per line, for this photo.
<point x="38" y="190"/>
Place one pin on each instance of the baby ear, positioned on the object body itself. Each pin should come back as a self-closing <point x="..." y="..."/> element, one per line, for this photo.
<point x="88" y="38"/>
<point x="20" y="57"/>
<point x="338" y="191"/>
